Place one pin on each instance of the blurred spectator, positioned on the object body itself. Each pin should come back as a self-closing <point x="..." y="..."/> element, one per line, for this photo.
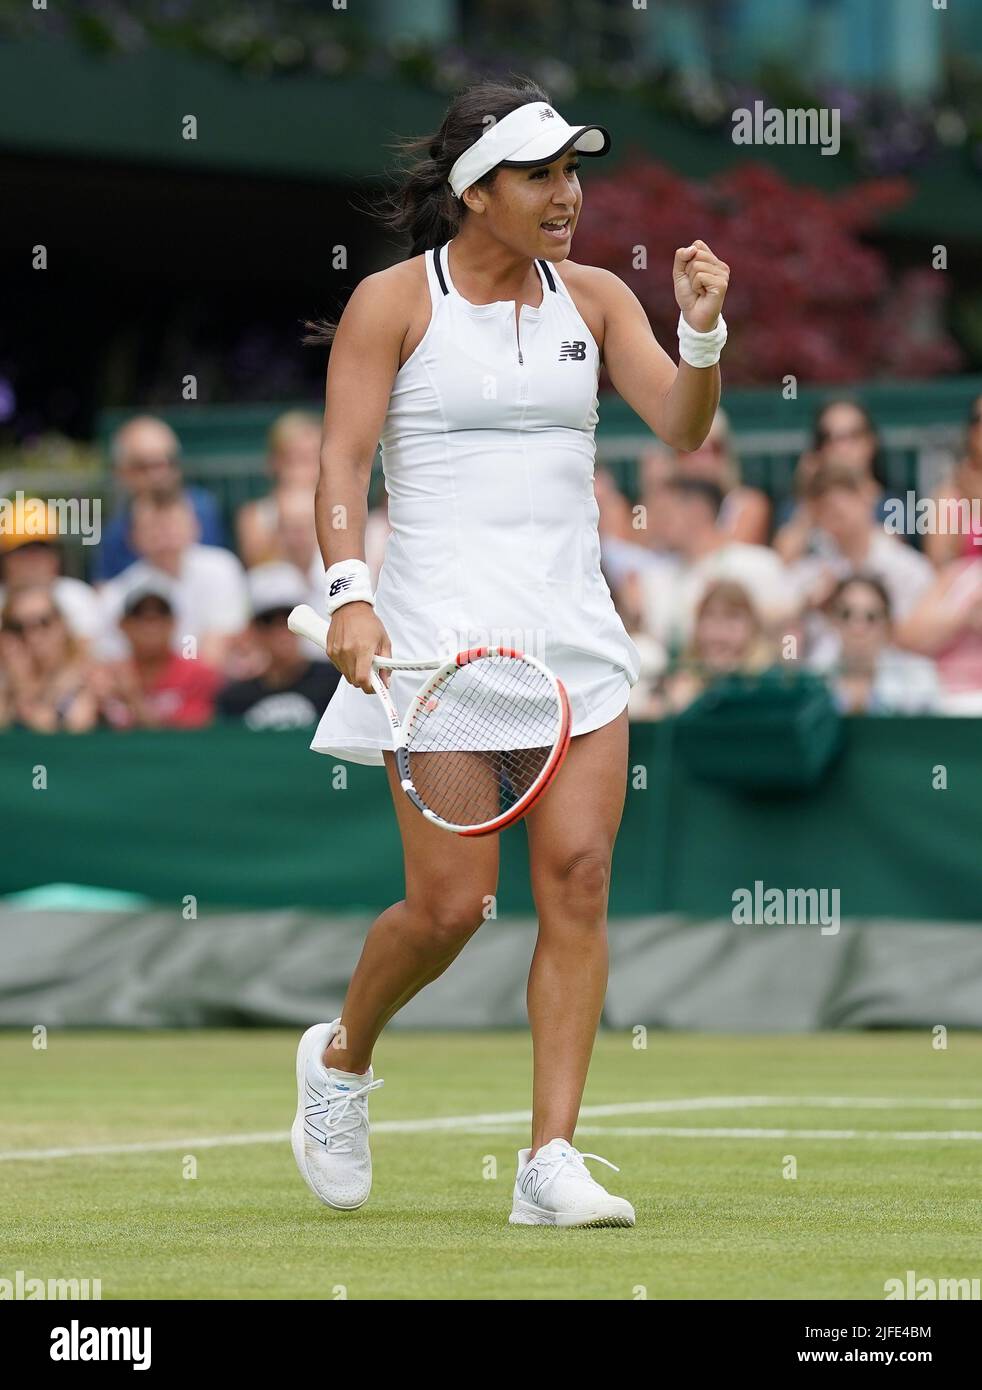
<point x="947" y="625"/>
<point x="965" y="483"/>
<point x="669" y="596"/>
<point x="293" y="461"/>
<point x="623" y="558"/>
<point x="728" y="637"/>
<point x="292" y="690"/>
<point x="146" y="454"/>
<point x="154" y="688"/>
<point x="27" y="561"/>
<point x="844" y="437"/>
<point x="211" y="603"/>
<point x="615" y="519"/>
<point x="47" y="677"/>
<point x="846" y="540"/>
<point x="280" y="525"/>
<point x="746" y="511"/>
<point x="868" y="675"/>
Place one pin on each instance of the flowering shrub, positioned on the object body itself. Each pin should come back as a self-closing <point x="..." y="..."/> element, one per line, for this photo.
<point x="807" y="296"/>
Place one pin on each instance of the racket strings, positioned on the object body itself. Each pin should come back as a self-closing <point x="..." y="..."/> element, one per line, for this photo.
<point x="482" y="738"/>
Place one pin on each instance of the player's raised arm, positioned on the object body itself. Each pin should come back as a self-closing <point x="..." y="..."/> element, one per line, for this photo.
<point x="677" y="402"/>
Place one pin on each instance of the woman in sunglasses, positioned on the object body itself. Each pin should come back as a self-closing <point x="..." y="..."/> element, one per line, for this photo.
<point x="869" y="675"/>
<point x="47" y="676"/>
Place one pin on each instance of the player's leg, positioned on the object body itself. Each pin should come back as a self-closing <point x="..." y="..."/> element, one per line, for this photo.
<point x="571" y="840"/>
<point x="412" y="942"/>
<point x="449" y="879"/>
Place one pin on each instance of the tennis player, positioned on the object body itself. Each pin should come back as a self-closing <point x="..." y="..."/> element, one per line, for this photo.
<point x="476" y="362"/>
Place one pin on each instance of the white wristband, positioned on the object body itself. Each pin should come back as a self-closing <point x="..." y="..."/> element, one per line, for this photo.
<point x="347" y="582"/>
<point x="701" y="349"/>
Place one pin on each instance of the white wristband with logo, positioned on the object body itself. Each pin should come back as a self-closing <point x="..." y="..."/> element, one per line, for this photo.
<point x="347" y="582"/>
<point x="701" y="349"/>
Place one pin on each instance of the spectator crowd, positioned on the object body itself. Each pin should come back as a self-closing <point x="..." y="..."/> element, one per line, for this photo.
<point x="183" y="625"/>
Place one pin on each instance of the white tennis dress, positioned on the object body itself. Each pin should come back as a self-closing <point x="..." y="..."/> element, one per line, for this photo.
<point x="488" y="454"/>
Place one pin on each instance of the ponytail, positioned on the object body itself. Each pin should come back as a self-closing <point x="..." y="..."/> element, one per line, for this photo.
<point x="423" y="206"/>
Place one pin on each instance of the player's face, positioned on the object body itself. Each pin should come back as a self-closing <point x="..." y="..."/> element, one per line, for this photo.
<point x="529" y="199"/>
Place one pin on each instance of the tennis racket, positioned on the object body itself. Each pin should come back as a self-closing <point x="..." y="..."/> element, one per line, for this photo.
<point x="484" y="735"/>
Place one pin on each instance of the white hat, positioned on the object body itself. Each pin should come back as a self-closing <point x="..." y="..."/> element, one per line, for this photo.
<point x="531" y="134"/>
<point x="276" y="585"/>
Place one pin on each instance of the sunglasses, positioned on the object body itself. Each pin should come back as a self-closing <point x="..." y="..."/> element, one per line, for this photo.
<point x="157" y="610"/>
<point x="44" y="620"/>
<point x="865" y="615"/>
<point x="842" y="436"/>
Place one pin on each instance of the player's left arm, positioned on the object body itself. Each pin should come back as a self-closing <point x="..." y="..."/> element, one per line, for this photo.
<point x="677" y="402"/>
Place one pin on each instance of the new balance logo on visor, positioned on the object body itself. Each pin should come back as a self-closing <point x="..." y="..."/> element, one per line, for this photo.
<point x="546" y="113"/>
<point x="344" y="582"/>
<point x="572" y="351"/>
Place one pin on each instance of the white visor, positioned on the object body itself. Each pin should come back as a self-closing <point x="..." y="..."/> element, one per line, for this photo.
<point x="531" y="134"/>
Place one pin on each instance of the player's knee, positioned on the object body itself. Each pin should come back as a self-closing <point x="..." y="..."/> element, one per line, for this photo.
<point x="585" y="879"/>
<point x="449" y="919"/>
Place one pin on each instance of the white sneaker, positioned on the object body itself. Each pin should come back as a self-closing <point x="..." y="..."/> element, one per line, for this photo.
<point x="556" y="1188"/>
<point x="330" y="1132"/>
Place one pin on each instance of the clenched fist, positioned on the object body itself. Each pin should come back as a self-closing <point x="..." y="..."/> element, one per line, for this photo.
<point x="700" y="280"/>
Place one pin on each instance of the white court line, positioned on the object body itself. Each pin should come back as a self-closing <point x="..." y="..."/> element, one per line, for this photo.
<point x="915" y="1135"/>
<point x="509" y="1120"/>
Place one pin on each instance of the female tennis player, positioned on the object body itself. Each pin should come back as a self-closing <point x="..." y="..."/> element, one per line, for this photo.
<point x="476" y="362"/>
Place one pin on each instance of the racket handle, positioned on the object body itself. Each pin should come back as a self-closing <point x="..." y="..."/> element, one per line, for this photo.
<point x="306" y="623"/>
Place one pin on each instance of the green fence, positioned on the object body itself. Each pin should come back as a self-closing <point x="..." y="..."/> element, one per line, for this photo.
<point x="256" y="820"/>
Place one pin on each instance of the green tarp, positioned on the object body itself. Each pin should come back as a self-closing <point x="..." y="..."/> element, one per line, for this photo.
<point x="235" y="818"/>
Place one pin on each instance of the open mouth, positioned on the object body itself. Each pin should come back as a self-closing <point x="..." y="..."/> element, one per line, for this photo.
<point x="558" y="228"/>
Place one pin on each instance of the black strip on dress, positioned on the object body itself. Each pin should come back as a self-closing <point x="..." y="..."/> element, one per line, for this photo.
<point x="439" y="268"/>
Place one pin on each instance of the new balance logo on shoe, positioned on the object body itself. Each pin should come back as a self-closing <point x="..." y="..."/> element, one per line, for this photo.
<point x="532" y="1184"/>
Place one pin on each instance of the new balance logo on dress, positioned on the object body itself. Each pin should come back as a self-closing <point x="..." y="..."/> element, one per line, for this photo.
<point x="574" y="351"/>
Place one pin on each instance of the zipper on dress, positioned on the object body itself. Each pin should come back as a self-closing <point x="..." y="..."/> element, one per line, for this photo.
<point x="518" y="339"/>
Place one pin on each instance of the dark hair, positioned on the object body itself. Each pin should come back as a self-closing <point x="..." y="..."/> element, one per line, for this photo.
<point x="878" y="463"/>
<point x="423" y="205"/>
<point x="871" y="581"/>
<point x="710" y="493"/>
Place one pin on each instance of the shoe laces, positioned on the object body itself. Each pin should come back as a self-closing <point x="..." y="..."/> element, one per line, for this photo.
<point x="339" y="1113"/>
<point x="575" y="1159"/>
